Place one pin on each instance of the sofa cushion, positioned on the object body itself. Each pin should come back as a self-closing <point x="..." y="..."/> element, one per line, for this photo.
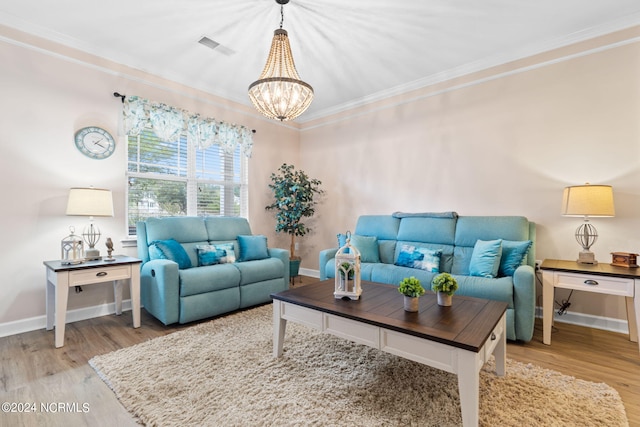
<point x="384" y="227"/>
<point x="170" y="249"/>
<point x="208" y="278"/>
<point x="367" y="246"/>
<point x="513" y="253"/>
<point x="252" y="248"/>
<point x="498" y="289"/>
<point x="485" y="259"/>
<point x="182" y="229"/>
<point x="260" y="270"/>
<point x="419" y="257"/>
<point x="393" y="274"/>
<point x="209" y="255"/>
<point x="428" y="230"/>
<point x="226" y="228"/>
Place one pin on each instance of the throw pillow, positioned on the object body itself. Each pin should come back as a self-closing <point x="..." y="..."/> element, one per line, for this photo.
<point x="252" y="248"/>
<point x="229" y="253"/>
<point x="513" y="253"/>
<point x="170" y="249"/>
<point x="485" y="259"/>
<point x="209" y="255"/>
<point x="419" y="257"/>
<point x="367" y="246"/>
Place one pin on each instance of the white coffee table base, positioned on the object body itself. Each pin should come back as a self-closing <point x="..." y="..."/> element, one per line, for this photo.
<point x="464" y="363"/>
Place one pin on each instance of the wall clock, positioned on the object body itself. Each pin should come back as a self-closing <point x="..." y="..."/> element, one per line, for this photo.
<point x="95" y="142"/>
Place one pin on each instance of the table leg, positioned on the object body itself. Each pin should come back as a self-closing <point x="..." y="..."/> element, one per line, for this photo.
<point x="62" y="297"/>
<point x="50" y="303"/>
<point x="500" y="352"/>
<point x="469" y="387"/>
<point x="547" y="306"/>
<point x="134" y="290"/>
<point x="279" y="327"/>
<point x="117" y="296"/>
<point x="632" y="319"/>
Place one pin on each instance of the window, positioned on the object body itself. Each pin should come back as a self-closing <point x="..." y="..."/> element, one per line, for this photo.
<point x="176" y="178"/>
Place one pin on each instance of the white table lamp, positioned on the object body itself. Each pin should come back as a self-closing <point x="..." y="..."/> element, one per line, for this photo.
<point x="587" y="201"/>
<point x="90" y="202"/>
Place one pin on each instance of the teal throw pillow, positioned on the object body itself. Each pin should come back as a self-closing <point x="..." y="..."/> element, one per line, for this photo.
<point x="209" y="255"/>
<point x="419" y="257"/>
<point x="229" y="253"/>
<point x="170" y="249"/>
<point x="513" y="253"/>
<point x="485" y="259"/>
<point x="367" y="246"/>
<point x="252" y="248"/>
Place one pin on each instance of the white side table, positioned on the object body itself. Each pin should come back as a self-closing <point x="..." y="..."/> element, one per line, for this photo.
<point x="600" y="278"/>
<point x="62" y="277"/>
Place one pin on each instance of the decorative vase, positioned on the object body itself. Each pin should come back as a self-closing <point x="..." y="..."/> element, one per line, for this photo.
<point x="411" y="304"/>
<point x="444" y="299"/>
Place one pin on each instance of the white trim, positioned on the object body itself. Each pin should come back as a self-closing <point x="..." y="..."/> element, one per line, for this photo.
<point x="444" y="77"/>
<point x="40" y="322"/>
<point x="310" y="273"/>
<point x="610" y="324"/>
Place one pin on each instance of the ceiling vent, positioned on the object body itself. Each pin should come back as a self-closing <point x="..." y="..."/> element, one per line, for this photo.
<point x="214" y="45"/>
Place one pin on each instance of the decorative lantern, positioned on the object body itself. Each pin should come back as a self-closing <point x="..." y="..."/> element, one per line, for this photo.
<point x="72" y="249"/>
<point x="348" y="271"/>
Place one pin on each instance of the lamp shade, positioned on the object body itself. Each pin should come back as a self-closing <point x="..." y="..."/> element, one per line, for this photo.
<point x="90" y="202"/>
<point x="588" y="200"/>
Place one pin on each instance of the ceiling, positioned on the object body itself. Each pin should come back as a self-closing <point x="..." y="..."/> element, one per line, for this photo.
<point x="351" y="52"/>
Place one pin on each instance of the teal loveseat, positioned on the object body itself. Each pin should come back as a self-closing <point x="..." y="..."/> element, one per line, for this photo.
<point x="454" y="238"/>
<point x="198" y="267"/>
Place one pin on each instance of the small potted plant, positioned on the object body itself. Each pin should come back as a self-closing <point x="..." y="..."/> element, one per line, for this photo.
<point x="444" y="285"/>
<point x="412" y="289"/>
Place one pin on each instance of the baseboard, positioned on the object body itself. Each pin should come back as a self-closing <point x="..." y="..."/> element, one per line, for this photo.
<point x="40" y="322"/>
<point x="309" y="272"/>
<point x="598" y="322"/>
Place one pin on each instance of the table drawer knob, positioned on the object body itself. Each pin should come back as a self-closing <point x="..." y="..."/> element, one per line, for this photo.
<point x="493" y="336"/>
<point x="101" y="274"/>
<point x="590" y="282"/>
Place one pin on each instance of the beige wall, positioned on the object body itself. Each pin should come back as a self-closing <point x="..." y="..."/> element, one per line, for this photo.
<point x="501" y="142"/>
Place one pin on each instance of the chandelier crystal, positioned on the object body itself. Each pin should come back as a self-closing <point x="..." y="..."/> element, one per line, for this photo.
<point x="279" y="93"/>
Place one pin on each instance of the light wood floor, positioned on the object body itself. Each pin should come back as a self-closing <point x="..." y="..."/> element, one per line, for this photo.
<point x="32" y="371"/>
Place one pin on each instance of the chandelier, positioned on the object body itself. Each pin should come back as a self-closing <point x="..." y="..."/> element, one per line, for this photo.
<point x="279" y="93"/>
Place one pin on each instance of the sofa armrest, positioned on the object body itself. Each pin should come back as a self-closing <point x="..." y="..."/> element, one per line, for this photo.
<point x="160" y="289"/>
<point x="325" y="256"/>
<point x="524" y="301"/>
<point x="282" y="255"/>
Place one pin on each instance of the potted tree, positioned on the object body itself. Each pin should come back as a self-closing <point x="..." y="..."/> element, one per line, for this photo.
<point x="445" y="285"/>
<point x="293" y="201"/>
<point x="412" y="289"/>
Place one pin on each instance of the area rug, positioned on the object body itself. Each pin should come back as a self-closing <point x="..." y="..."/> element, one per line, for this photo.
<point x="223" y="373"/>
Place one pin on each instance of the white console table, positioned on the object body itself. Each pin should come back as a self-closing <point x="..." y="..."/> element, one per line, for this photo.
<point x="600" y="278"/>
<point x="60" y="278"/>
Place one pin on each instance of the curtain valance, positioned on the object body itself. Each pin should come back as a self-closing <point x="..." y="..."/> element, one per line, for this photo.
<point x="168" y="123"/>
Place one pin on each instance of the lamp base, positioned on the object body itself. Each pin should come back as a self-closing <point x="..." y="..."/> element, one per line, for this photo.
<point x="587" y="257"/>
<point x="92" y="254"/>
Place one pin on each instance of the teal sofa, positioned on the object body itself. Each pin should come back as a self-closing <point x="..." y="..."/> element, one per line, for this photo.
<point x="176" y="289"/>
<point x="455" y="237"/>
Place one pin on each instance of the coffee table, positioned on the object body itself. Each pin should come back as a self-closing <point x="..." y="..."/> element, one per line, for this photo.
<point x="457" y="339"/>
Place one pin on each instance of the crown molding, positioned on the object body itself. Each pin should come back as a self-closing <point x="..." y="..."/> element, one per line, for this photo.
<point x="480" y="65"/>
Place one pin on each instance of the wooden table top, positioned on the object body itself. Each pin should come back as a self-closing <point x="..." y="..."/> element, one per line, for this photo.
<point x="467" y="324"/>
<point x="600" y="269"/>
<point x="56" y="265"/>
